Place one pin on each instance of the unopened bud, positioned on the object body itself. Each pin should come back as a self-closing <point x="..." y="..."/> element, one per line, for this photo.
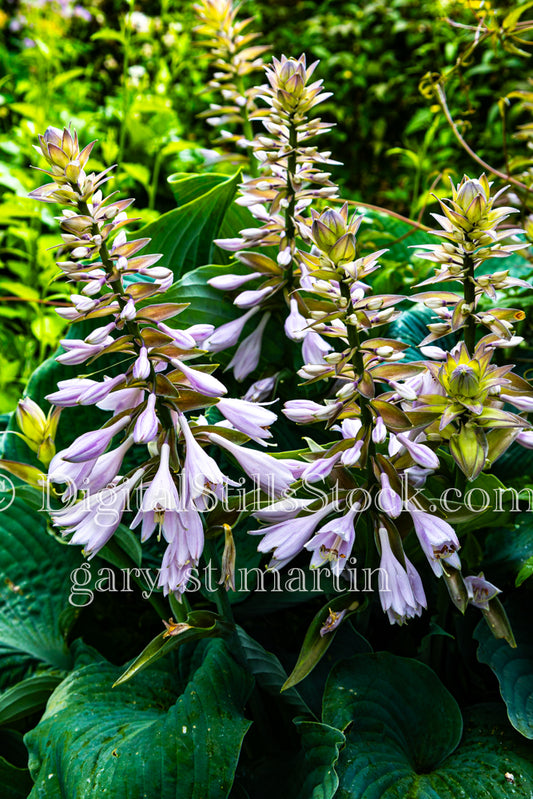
<point x="227" y="577"/>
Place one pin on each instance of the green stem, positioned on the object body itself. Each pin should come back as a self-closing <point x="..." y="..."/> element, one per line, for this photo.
<point x="116" y="284"/>
<point x="354" y="341"/>
<point x="469" y="289"/>
<point x="289" y="214"/>
<point x="221" y="595"/>
<point x="247" y="128"/>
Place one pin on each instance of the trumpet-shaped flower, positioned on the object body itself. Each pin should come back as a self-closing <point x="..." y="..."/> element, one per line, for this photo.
<point x="93" y="520"/>
<point x="288" y="538"/>
<point x="334" y="541"/>
<point x="147" y="424"/>
<point x="400" y="590"/>
<point x="201" y="381"/>
<point x="248" y="417"/>
<point x="201" y="474"/>
<point x="248" y="353"/>
<point x="91" y="445"/>
<point x="437" y="538"/>
<point x="160" y="500"/>
<point x="272" y="475"/>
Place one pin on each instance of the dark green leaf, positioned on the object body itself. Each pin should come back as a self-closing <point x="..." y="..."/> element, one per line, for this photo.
<point x="512" y="666"/>
<point x="315" y="644"/>
<point x="314" y="772"/>
<point x="35" y="580"/>
<point x="199" y="624"/>
<point x="154" y="738"/>
<point x="404" y="736"/>
<point x="27" y="696"/>
<point x="185" y="235"/>
<point x="269" y="672"/>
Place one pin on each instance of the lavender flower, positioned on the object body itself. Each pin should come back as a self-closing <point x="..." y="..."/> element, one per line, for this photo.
<point x="228" y="334"/>
<point x="389" y="500"/>
<point x="250" y="418"/>
<point x="400" y="591"/>
<point x="272" y="475"/>
<point x="91" y="445"/>
<point x="200" y="471"/>
<point x="480" y="591"/>
<point x="200" y="381"/>
<point x="437" y="538"/>
<point x="93" y="521"/>
<point x="334" y="541"/>
<point x="288" y="538"/>
<point x="247" y="356"/>
<point x="147" y="424"/>
<point x="160" y="500"/>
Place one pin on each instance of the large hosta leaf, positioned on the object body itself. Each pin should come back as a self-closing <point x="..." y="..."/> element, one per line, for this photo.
<point x="404" y="736"/>
<point x="513" y="667"/>
<point x="185" y="235"/>
<point x="157" y="736"/>
<point x="34" y="587"/>
<point x="186" y="188"/>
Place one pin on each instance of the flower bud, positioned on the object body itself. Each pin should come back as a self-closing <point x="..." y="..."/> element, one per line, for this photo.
<point x="227" y="577"/>
<point x="343" y="250"/>
<point x="456" y="586"/>
<point x="322" y="235"/>
<point x="53" y="136"/>
<point x="499" y="624"/>
<point x="464" y="382"/>
<point x="31" y="421"/>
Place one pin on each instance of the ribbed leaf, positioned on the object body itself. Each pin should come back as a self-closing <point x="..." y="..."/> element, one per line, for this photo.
<point x="152" y="737"/>
<point x="404" y="736"/>
<point x="513" y="666"/>
<point x="34" y="587"/>
<point x="185" y="235"/>
<point x="315" y="774"/>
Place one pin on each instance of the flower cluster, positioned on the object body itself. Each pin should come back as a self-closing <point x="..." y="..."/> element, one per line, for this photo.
<point x="292" y="179"/>
<point x="379" y="466"/>
<point x="471" y="235"/>
<point x="154" y="390"/>
<point x="462" y="404"/>
<point x="234" y="57"/>
<point x="371" y="485"/>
